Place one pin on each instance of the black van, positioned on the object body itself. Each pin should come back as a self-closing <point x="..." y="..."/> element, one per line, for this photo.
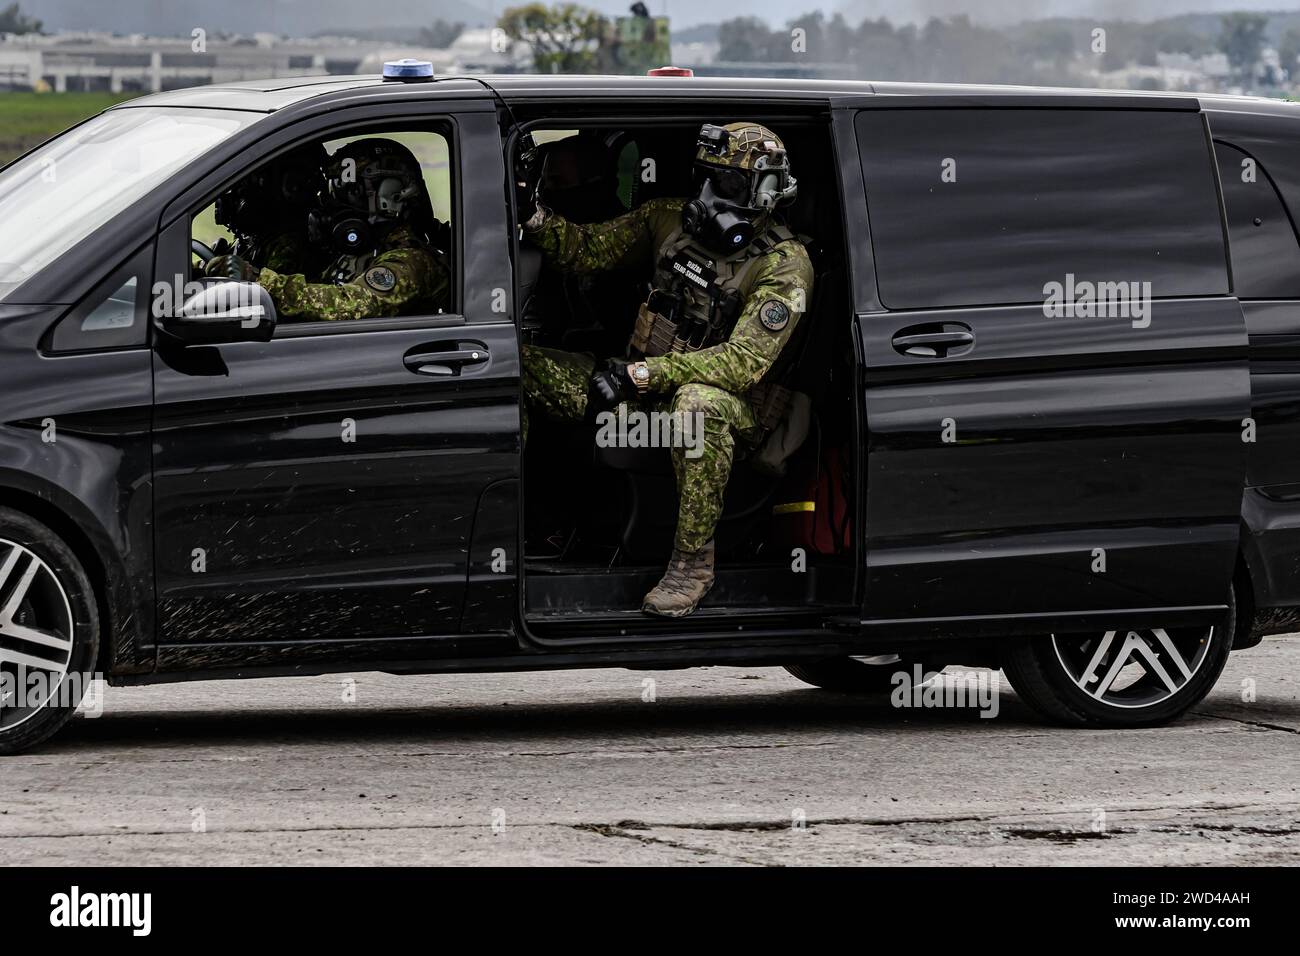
<point x="1052" y="363"/>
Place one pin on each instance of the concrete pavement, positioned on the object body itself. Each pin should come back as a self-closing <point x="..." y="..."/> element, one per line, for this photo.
<point x="702" y="766"/>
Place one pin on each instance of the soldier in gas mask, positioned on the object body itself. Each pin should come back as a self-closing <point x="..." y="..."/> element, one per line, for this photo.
<point x="266" y="213"/>
<point x="375" y="219"/>
<point x="729" y="286"/>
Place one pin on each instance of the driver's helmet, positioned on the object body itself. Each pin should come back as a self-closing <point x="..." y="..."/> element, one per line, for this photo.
<point x="746" y="163"/>
<point x="379" y="178"/>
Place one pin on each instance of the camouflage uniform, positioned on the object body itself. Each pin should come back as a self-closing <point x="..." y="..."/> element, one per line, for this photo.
<point x="374" y="181"/>
<point x="404" y="277"/>
<point x="713" y="381"/>
<point x="286" y="253"/>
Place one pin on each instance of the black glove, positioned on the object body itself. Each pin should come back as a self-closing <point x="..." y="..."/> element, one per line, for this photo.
<point x="609" y="386"/>
<point x="231" y="267"/>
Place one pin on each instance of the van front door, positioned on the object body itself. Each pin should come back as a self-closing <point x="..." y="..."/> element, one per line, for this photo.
<point x="319" y="490"/>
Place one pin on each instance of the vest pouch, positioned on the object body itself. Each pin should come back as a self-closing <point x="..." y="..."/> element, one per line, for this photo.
<point x="653" y="334"/>
<point x="641" y="330"/>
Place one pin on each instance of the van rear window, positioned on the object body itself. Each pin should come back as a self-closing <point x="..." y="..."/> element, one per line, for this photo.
<point x="1265" y="252"/>
<point x="985" y="207"/>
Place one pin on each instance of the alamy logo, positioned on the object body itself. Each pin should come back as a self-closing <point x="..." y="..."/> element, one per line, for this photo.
<point x="978" y="690"/>
<point x="34" y="688"/>
<point x="1081" y="299"/>
<point x="76" y="909"/>
<point x="633" y="428"/>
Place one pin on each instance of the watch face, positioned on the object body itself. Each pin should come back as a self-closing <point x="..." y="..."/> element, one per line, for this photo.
<point x="642" y="374"/>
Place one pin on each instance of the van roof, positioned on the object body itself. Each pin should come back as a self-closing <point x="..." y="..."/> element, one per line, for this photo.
<point x="275" y="94"/>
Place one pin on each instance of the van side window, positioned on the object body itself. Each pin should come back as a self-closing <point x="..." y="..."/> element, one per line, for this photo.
<point x="113" y="316"/>
<point x="976" y="207"/>
<point x="356" y="225"/>
<point x="1265" y="251"/>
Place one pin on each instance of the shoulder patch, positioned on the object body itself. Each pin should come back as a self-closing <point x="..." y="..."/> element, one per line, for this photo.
<point x="381" y="279"/>
<point x="774" y="315"/>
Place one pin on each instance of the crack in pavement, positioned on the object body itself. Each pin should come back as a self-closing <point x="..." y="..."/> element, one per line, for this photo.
<point x="724" y="825"/>
<point x="1251" y="723"/>
<point x="1229" y="828"/>
<point x="618" y="830"/>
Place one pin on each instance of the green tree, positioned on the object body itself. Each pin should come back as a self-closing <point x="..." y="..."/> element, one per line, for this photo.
<point x="1288" y="52"/>
<point x="12" y="20"/>
<point x="744" y="40"/>
<point x="565" y="38"/>
<point x="1052" y="41"/>
<point x="1241" y="37"/>
<point x="441" y="34"/>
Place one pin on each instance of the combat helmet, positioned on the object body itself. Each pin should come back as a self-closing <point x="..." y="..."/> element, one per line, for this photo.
<point x="371" y="186"/>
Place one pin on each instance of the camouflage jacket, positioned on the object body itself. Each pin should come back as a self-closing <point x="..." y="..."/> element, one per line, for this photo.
<point x="779" y="291"/>
<point x="286" y="253"/>
<point x="404" y="277"/>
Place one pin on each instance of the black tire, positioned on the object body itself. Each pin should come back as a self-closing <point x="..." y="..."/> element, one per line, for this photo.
<point x="1042" y="672"/>
<point x="850" y="675"/>
<point x="59" y="591"/>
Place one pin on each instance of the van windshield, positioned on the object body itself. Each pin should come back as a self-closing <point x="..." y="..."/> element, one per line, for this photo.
<point x="59" y="194"/>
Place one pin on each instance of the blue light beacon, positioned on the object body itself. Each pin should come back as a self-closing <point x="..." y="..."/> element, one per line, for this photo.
<point x="408" y="71"/>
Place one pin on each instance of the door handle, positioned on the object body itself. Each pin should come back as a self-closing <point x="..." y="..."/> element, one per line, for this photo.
<point x="442" y="362"/>
<point x="936" y="340"/>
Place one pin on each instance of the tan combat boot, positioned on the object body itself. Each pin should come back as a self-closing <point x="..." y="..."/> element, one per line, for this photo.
<point x="684" y="584"/>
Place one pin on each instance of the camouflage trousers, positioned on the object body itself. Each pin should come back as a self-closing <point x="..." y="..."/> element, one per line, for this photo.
<point x="555" y="384"/>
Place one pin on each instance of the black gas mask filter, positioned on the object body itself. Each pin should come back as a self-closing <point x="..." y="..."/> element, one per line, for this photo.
<point x="341" y="224"/>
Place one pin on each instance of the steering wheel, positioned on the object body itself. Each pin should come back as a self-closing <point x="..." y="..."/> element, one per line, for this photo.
<point x="204" y="252"/>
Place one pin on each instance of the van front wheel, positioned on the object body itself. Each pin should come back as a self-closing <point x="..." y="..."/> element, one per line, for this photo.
<point x="49" y="632"/>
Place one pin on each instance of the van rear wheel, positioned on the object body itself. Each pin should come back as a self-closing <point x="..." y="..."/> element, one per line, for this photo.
<point x="1137" y="677"/>
<point x="49" y="632"/>
<point x="860" y="675"/>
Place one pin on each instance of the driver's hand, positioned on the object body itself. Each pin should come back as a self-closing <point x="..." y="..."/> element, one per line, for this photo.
<point x="231" y="267"/>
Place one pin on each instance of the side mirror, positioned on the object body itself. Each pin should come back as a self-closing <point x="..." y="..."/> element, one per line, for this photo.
<point x="224" y="312"/>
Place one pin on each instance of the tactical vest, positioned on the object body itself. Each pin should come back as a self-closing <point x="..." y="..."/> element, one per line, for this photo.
<point x="348" y="266"/>
<point x="695" y="298"/>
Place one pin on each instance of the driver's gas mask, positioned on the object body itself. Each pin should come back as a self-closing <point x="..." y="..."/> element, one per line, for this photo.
<point x="274" y="198"/>
<point x="371" y="187"/>
<point x="742" y="174"/>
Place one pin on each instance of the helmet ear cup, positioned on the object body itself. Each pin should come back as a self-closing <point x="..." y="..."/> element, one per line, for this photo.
<point x="767" y="193"/>
<point x="389" y="197"/>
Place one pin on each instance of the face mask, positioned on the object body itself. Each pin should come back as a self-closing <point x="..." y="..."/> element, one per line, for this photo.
<point x="340" y="228"/>
<point x="714" y="216"/>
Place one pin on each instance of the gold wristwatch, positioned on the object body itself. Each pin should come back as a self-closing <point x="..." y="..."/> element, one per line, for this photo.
<point x="639" y="372"/>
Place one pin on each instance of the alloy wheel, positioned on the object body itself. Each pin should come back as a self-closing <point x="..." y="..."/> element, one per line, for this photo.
<point x="1133" y="668"/>
<point x="36" y="634"/>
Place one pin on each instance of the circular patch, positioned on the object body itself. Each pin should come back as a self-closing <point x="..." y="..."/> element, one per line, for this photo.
<point x="381" y="279"/>
<point x="774" y="315"/>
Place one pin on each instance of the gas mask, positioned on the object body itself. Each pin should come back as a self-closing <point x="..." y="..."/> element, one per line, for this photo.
<point x="339" y="227"/>
<point x="717" y="216"/>
<point x="742" y="174"/>
<point x="367" y="194"/>
<point x="276" y="195"/>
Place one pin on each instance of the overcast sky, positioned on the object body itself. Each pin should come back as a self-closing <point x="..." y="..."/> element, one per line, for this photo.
<point x="688" y="12"/>
<point x="178" y="17"/>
